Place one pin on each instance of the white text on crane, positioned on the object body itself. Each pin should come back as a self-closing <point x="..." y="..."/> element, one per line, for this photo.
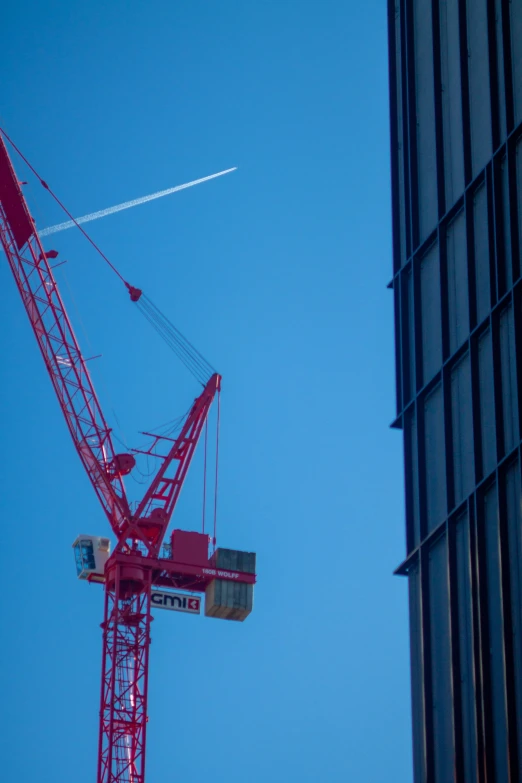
<point x="177" y="602"/>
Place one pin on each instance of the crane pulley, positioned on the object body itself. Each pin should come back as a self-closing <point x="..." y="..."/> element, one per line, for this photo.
<point x="136" y="565"/>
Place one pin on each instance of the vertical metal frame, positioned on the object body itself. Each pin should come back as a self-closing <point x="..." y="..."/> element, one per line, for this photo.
<point x="421" y="451"/>
<point x="408" y="122"/>
<point x="492" y="231"/>
<point x="401" y="343"/>
<point x="493" y="75"/>
<point x="437" y="92"/>
<point x="454" y="601"/>
<point x="508" y="64"/>
<point x="409" y="99"/>
<point x="417" y="319"/>
<point x="408" y="380"/>
<point x="455" y="649"/>
<point x="509" y="659"/>
<point x="470" y="251"/>
<point x="464" y="75"/>
<point x="477" y="608"/>
<point x="513" y="206"/>
<point x="442" y="239"/>
<point x="427" y="680"/>
<point x="394" y="136"/>
<point x="424" y="645"/>
<point x="517" y="323"/>
<point x="409" y="488"/>
<point x="487" y="735"/>
<point x="497" y="383"/>
<point x="448" y="438"/>
<point x="475" y="402"/>
<point x="499" y="209"/>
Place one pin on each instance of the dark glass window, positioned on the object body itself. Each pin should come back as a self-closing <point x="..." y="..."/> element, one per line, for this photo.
<point x="519" y="186"/>
<point x="435" y="457"/>
<point x="408" y="337"/>
<point x="425" y="105"/>
<point x="481" y="247"/>
<point x="465" y="637"/>
<point x="514" y="525"/>
<point x="509" y="379"/>
<point x="500" y="70"/>
<point x="458" y="295"/>
<point x="417" y="692"/>
<point x="441" y="662"/>
<point x="400" y="138"/>
<point x="506" y="277"/>
<point x="487" y="404"/>
<point x="479" y="86"/>
<point x="515" y="8"/>
<point x="411" y="454"/>
<point x="451" y="101"/>
<point x="462" y="427"/>
<point x="496" y="633"/>
<point x="431" y="313"/>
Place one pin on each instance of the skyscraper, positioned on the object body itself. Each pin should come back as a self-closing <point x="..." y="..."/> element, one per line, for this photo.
<point x="456" y="155"/>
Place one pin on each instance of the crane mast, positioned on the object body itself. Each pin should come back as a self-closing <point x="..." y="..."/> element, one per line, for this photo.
<point x="135" y="569"/>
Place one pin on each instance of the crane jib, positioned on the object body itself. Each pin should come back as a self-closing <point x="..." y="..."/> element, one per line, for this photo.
<point x="18" y="216"/>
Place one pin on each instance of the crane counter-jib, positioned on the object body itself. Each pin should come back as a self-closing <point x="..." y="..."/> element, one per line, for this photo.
<point x="134" y="572"/>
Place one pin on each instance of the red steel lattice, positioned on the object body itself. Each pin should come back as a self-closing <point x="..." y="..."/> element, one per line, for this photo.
<point x="126" y="626"/>
<point x="123" y="713"/>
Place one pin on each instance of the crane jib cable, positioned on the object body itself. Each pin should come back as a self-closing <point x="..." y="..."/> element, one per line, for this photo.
<point x="184" y="350"/>
<point x="62" y="206"/>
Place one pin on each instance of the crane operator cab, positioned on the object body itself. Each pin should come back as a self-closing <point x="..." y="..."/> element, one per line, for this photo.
<point x="91" y="553"/>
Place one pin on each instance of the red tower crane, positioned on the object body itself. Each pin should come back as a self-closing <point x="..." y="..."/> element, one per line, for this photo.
<point x="140" y="572"/>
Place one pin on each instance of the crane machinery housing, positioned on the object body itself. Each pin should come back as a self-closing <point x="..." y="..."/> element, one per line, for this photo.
<point x="142" y="571"/>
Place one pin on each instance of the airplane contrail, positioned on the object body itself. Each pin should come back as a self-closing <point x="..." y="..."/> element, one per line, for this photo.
<point x="128" y="204"/>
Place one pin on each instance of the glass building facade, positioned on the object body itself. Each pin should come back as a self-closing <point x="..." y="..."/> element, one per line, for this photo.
<point x="456" y="155"/>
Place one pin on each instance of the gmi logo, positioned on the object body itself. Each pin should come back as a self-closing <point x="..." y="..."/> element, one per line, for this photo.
<point x="177" y="602"/>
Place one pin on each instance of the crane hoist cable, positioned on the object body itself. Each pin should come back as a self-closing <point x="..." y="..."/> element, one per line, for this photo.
<point x="184" y="350"/>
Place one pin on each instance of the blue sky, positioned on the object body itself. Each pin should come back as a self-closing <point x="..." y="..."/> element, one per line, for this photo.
<point x="277" y="273"/>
